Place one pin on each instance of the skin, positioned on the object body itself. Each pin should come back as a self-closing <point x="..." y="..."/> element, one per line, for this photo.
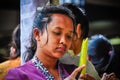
<point x="12" y="51"/>
<point x="76" y="45"/>
<point x="59" y="38"/>
<point x="60" y="34"/>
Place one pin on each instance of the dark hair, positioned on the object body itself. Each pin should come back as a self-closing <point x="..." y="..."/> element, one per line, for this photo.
<point x="101" y="52"/>
<point x="42" y="18"/>
<point x="16" y="41"/>
<point x="80" y="17"/>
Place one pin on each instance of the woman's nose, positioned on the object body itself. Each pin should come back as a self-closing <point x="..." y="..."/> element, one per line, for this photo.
<point x="63" y="40"/>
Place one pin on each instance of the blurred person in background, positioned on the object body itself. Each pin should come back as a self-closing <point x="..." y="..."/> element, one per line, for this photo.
<point x="82" y="30"/>
<point x="101" y="54"/>
<point x="72" y="57"/>
<point x="14" y="58"/>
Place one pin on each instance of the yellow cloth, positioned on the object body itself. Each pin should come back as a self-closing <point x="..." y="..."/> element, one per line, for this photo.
<point x="5" y="66"/>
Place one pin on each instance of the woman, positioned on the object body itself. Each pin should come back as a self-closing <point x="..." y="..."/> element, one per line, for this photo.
<point x="53" y="31"/>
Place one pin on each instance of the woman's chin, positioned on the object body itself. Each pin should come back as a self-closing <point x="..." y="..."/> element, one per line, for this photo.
<point x="59" y="56"/>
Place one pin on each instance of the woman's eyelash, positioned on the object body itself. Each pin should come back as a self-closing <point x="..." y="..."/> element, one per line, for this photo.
<point x="69" y="36"/>
<point x="57" y="33"/>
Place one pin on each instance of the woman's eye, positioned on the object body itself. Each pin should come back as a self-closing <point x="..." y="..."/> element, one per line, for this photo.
<point x="69" y="37"/>
<point x="57" y="33"/>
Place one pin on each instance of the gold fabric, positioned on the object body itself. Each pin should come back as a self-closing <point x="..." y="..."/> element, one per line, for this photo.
<point x="5" y="66"/>
<point x="55" y="2"/>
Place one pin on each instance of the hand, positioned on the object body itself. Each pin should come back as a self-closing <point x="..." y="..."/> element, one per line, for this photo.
<point x="85" y="77"/>
<point x="81" y="77"/>
<point x="110" y="76"/>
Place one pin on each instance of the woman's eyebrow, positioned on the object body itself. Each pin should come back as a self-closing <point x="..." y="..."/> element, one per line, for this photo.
<point x="62" y="28"/>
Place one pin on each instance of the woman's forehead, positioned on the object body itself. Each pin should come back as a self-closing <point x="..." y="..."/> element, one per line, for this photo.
<point x="60" y="19"/>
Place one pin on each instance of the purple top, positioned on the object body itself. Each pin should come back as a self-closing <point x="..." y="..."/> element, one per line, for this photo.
<point x="35" y="70"/>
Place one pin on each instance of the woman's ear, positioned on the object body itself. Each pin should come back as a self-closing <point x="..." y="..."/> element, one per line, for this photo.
<point x="36" y="34"/>
<point x="79" y="31"/>
<point x="12" y="51"/>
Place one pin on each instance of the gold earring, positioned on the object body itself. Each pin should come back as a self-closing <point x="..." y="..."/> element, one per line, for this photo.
<point x="41" y="46"/>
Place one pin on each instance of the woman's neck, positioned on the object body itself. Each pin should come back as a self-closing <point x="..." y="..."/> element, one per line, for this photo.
<point x="48" y="61"/>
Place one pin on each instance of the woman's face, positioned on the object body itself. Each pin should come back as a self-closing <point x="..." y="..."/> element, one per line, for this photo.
<point x="77" y="43"/>
<point x="59" y="35"/>
<point x="76" y="46"/>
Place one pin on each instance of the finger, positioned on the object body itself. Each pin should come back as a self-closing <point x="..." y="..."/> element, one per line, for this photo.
<point x="104" y="77"/>
<point x="112" y="76"/>
<point x="77" y="76"/>
<point x="75" y="72"/>
<point x="88" y="77"/>
<point x="82" y="76"/>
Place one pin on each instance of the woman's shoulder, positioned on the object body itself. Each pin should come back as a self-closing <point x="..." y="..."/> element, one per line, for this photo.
<point x="21" y="72"/>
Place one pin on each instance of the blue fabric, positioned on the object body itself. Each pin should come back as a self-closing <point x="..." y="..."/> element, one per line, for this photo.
<point x="80" y="3"/>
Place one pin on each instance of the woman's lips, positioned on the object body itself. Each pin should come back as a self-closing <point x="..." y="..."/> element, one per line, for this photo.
<point x="61" y="49"/>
